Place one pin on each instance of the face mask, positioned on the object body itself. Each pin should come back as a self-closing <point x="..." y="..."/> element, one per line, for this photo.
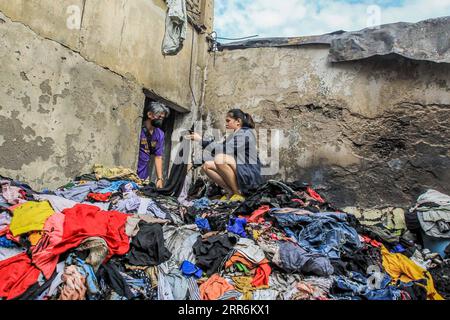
<point x="157" y="123"/>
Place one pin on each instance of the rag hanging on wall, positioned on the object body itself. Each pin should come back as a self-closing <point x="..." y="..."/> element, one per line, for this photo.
<point x="176" y="27"/>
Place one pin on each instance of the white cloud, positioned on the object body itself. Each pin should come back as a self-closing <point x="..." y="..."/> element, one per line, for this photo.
<point x="269" y="18"/>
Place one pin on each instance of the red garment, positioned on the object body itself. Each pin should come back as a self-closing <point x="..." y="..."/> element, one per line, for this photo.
<point x="7" y="233"/>
<point x="374" y="243"/>
<point x="257" y="216"/>
<point x="10" y="236"/>
<point x="100" y="197"/>
<point x="315" y="195"/>
<point x="4" y="231"/>
<point x="17" y="274"/>
<point x="82" y="222"/>
<point x="262" y="275"/>
<point x="86" y="221"/>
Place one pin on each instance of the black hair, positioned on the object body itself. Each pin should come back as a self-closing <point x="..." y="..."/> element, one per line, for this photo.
<point x="247" y="120"/>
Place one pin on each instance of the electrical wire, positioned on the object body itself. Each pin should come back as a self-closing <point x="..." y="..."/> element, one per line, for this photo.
<point x="190" y="68"/>
<point x="243" y="38"/>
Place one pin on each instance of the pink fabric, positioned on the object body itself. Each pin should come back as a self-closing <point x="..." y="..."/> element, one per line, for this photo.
<point x="7" y="233"/>
<point x="42" y="253"/>
<point x="12" y="194"/>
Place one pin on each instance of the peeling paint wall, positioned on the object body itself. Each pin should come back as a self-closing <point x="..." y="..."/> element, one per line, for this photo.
<point x="60" y="114"/>
<point x="373" y="133"/>
<point x="124" y="36"/>
<point x="72" y="75"/>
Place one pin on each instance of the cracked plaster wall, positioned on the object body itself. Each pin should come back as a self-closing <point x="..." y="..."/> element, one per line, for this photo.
<point x="372" y="133"/>
<point x="124" y="36"/>
<point x="72" y="97"/>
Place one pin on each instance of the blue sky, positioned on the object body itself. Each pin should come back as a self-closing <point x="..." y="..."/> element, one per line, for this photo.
<point x="271" y="18"/>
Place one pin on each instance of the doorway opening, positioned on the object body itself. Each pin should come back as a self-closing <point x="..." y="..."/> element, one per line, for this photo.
<point x="168" y="127"/>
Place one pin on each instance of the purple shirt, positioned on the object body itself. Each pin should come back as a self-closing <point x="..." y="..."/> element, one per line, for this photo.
<point x="149" y="145"/>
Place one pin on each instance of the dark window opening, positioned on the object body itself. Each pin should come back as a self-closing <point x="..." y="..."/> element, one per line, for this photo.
<point x="168" y="128"/>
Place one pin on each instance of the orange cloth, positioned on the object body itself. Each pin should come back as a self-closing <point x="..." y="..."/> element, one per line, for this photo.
<point x="214" y="288"/>
<point x="239" y="257"/>
<point x="262" y="273"/>
<point x="34" y="237"/>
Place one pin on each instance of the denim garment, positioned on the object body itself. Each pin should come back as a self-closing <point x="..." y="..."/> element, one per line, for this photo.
<point x="80" y="192"/>
<point x="129" y="204"/>
<point x="357" y="285"/>
<point x="116" y="185"/>
<point x="325" y="233"/>
<point x="202" y="203"/>
<point x="296" y="259"/>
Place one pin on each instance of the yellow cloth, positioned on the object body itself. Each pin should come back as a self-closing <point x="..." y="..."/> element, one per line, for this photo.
<point x="256" y="234"/>
<point x="244" y="285"/>
<point x="30" y="216"/>
<point x="237" y="198"/>
<point x="117" y="173"/>
<point x="400" y="267"/>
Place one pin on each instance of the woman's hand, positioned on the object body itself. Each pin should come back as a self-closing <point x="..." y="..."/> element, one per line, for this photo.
<point x="160" y="184"/>
<point x="195" y="136"/>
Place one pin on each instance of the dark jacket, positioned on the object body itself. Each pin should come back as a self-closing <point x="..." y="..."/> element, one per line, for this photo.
<point x="242" y="146"/>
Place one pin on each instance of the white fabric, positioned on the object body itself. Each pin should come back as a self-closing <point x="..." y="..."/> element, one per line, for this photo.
<point x="58" y="279"/>
<point x="250" y="250"/>
<point x="143" y="206"/>
<point x="6" y="253"/>
<point x="58" y="203"/>
<point x="176" y="27"/>
<point x="434" y="220"/>
<point x="104" y="206"/>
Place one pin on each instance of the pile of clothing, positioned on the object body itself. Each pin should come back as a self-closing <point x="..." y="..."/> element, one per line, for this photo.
<point x="103" y="236"/>
<point x="429" y="220"/>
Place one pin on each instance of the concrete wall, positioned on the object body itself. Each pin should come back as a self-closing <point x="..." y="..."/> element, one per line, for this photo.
<point x="60" y="114"/>
<point x="124" y="36"/>
<point x="72" y="74"/>
<point x="370" y="133"/>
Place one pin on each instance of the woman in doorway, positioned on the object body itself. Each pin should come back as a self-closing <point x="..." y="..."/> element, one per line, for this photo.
<point x="152" y="141"/>
<point x="236" y="166"/>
